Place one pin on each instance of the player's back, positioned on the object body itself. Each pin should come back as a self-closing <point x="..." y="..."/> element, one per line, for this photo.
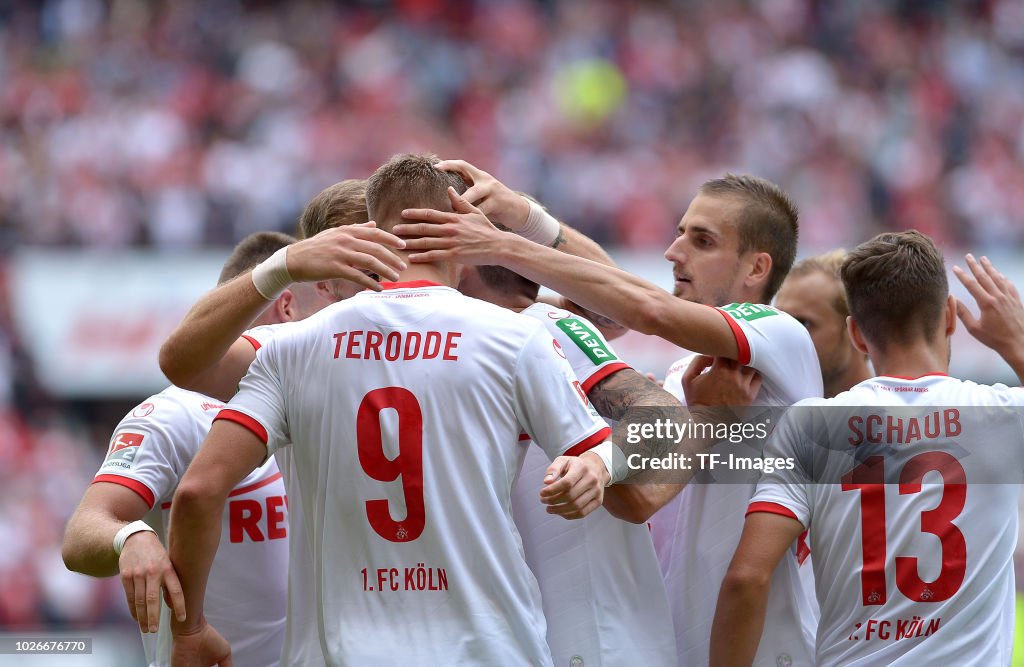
<point x="405" y="409"/>
<point x="918" y="569"/>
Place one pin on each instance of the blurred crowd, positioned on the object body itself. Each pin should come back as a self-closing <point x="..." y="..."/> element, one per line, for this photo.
<point x="188" y="123"/>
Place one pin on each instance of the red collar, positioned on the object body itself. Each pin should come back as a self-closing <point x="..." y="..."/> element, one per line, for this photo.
<point x="410" y="284"/>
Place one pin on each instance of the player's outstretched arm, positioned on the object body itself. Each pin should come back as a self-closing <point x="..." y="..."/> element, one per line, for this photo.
<point x="143" y="563"/>
<point x="229" y="453"/>
<point x="743" y="599"/>
<point x="466" y="236"/>
<point x="204" y="352"/>
<point x="1000" y="323"/>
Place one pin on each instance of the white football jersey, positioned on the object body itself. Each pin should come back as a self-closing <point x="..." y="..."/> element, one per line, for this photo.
<point x="149" y="452"/>
<point x="603" y="595"/>
<point x="405" y="408"/>
<point x="918" y="570"/>
<point x="697" y="532"/>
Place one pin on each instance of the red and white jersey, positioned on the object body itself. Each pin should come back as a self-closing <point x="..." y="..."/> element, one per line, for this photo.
<point x="149" y="452"/>
<point x="697" y="532"/>
<point x="603" y="595"/>
<point x="405" y="409"/>
<point x="918" y="570"/>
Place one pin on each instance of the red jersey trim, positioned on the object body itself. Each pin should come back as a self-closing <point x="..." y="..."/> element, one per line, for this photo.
<point x="410" y="283"/>
<point x="742" y="344"/>
<point x="252" y="341"/>
<point x="244" y="489"/>
<point x="523" y="437"/>
<point x="244" y="420"/>
<point x="771" y="508"/>
<point x="602" y="373"/>
<point x="589" y="443"/>
<point x="133" y="484"/>
<point x="803" y="550"/>
<point x="900" y="377"/>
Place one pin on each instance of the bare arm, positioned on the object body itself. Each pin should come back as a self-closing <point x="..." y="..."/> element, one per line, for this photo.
<point x="204" y="354"/>
<point x="466" y="236"/>
<point x="143" y="563"/>
<point x="229" y="453"/>
<point x="743" y="600"/>
<point x="1000" y="324"/>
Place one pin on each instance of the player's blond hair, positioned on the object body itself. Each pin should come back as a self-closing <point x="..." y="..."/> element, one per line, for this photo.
<point x="337" y="205"/>
<point x="829" y="264"/>
<point x="252" y="250"/>
<point x="409" y="181"/>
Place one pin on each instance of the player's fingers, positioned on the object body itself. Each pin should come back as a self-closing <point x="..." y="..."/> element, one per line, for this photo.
<point x="557" y="469"/>
<point x="422" y="229"/>
<point x="571" y="508"/>
<point x="477" y="193"/>
<point x="379" y="236"/>
<point x="459" y="203"/>
<point x="431" y="243"/>
<point x="427" y="214"/>
<point x="140" y="602"/>
<point x="432" y="256"/>
<point x="698" y="365"/>
<point x="592" y="505"/>
<point x="981" y="275"/>
<point x="173" y="594"/>
<point x="128" y="582"/>
<point x="965" y="315"/>
<point x="374" y="264"/>
<point x="972" y="286"/>
<point x="464" y="169"/>
<point x="153" y="601"/>
<point x="359" y="278"/>
<point x="1001" y="280"/>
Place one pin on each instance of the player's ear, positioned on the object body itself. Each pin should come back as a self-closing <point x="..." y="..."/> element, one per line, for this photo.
<point x="760" y="269"/>
<point x="285" y="307"/>
<point x="950" y="315"/>
<point x="855" y="336"/>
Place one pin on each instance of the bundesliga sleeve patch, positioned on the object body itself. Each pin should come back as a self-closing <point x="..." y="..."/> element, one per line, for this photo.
<point x="749" y="311"/>
<point x="124" y="446"/>
<point x="587" y="339"/>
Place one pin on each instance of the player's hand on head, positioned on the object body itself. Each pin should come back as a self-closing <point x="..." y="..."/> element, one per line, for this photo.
<point x="463" y="235"/>
<point x="145" y="569"/>
<point x="202" y="647"/>
<point x="717" y="381"/>
<point x="498" y="202"/>
<point x="574" y="485"/>
<point x="1000" y="321"/>
<point x="350" y="252"/>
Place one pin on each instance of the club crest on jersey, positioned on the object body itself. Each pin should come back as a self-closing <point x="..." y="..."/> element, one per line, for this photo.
<point x="144" y="410"/>
<point x="123" y="448"/>
<point x="587" y="339"/>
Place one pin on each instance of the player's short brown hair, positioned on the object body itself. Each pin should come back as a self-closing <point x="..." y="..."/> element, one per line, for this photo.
<point x="829" y="264"/>
<point x="507" y="281"/>
<point x="769" y="221"/>
<point x="252" y="250"/>
<point x="337" y="205"/>
<point x="896" y="287"/>
<point x="409" y="181"/>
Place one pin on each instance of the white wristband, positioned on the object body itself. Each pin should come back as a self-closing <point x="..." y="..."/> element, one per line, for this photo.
<point x="271" y="277"/>
<point x="541" y="227"/>
<point x="128" y="531"/>
<point x="609" y="453"/>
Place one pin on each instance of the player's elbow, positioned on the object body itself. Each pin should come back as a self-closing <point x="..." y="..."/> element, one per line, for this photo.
<point x="743" y="582"/>
<point x="171" y="365"/>
<point x="627" y="507"/>
<point x="195" y="494"/>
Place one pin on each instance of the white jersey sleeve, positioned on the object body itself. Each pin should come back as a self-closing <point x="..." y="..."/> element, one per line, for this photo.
<point x="259" y="404"/>
<point x="591" y="356"/>
<point x="550" y="402"/>
<point x="153" y="445"/>
<point x="777" y="346"/>
<point x="784" y="490"/>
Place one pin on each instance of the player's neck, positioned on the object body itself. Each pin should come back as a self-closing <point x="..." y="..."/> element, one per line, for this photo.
<point x="435" y="273"/>
<point x="910" y="361"/>
<point x="855" y="373"/>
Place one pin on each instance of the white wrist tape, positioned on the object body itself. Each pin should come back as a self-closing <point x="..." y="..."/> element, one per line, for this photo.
<point x="271" y="277"/>
<point x="128" y="531"/>
<point x="614" y="461"/>
<point x="541" y="227"/>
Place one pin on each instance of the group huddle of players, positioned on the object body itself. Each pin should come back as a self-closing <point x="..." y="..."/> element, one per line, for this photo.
<point x="377" y="434"/>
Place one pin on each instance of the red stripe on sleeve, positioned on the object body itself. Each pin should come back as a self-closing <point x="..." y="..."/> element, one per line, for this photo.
<point x="602" y="373"/>
<point x="133" y="484"/>
<point x="771" y="508"/>
<point x="243" y="420"/>
<point x="742" y="344"/>
<point x="592" y="441"/>
<point x="255" y="485"/>
<point x="252" y="341"/>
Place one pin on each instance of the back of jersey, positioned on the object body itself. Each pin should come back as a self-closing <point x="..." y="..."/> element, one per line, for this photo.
<point x="911" y="488"/>
<point x="405" y="409"/>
